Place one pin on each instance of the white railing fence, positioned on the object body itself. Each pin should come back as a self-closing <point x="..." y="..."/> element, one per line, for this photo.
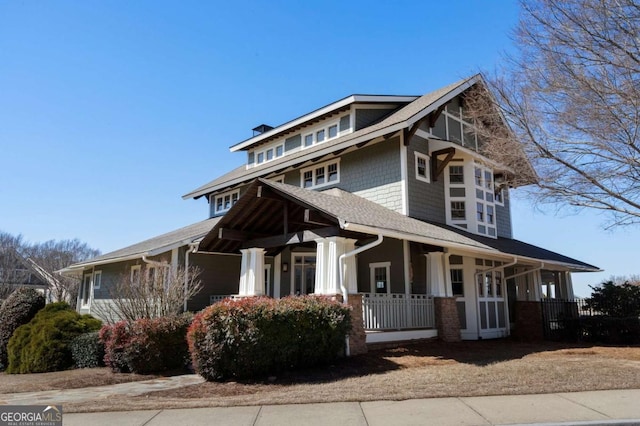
<point x="214" y="298"/>
<point x="397" y="311"/>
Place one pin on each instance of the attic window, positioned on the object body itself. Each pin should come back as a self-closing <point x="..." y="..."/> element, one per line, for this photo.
<point x="320" y="175"/>
<point x="224" y="202"/>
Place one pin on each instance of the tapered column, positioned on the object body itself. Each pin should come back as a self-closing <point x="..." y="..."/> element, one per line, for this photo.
<point x="435" y="268"/>
<point x="328" y="268"/>
<point x="252" y="272"/>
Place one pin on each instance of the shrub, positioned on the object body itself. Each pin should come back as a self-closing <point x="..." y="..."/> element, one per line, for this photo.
<point x="17" y="309"/>
<point x="618" y="301"/>
<point x="43" y="344"/>
<point x="258" y="336"/>
<point x="147" y="345"/>
<point x="87" y="350"/>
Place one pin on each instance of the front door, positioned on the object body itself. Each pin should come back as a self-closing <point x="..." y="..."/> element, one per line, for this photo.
<point x="304" y="274"/>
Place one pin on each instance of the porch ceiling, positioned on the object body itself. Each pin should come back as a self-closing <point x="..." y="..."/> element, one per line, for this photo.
<point x="264" y="217"/>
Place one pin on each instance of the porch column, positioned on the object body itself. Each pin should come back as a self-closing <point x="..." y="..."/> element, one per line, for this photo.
<point x="568" y="281"/>
<point x="435" y="271"/>
<point x="252" y="272"/>
<point x="328" y="270"/>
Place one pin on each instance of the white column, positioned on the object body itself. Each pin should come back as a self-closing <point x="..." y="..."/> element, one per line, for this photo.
<point x="537" y="285"/>
<point x="569" y="283"/>
<point x="252" y="272"/>
<point x="435" y="269"/>
<point x="328" y="268"/>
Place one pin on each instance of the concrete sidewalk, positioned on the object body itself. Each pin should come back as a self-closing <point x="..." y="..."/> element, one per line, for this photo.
<point x="616" y="407"/>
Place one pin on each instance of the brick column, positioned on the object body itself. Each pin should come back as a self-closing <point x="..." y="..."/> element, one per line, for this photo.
<point x="528" y="325"/>
<point x="357" y="335"/>
<point x="447" y="320"/>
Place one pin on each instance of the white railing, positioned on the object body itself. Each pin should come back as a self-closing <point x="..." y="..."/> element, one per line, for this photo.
<point x="397" y="311"/>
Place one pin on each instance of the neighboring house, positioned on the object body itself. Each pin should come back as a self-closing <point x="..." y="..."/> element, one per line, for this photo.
<point x="17" y="271"/>
<point x="383" y="200"/>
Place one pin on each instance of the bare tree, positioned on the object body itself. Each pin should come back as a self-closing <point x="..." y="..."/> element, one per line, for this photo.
<point x="154" y="292"/>
<point x="55" y="255"/>
<point x="19" y="258"/>
<point x="572" y="99"/>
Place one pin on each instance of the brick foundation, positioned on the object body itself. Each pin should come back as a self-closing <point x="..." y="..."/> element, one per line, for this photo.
<point x="528" y="316"/>
<point x="447" y="321"/>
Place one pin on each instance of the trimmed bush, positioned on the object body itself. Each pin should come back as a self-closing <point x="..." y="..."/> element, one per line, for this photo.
<point x="147" y="345"/>
<point x="258" y="336"/>
<point x="87" y="350"/>
<point x="17" y="309"/>
<point x="43" y="344"/>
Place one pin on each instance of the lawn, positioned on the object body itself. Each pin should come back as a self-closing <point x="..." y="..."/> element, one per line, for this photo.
<point x="424" y="370"/>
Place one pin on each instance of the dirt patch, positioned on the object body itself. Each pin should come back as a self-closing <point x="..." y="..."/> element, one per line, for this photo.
<point x="70" y="379"/>
<point x="425" y="370"/>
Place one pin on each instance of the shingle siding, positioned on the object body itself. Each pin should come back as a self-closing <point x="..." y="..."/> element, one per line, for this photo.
<point x="389" y="251"/>
<point x="220" y="275"/>
<point x="426" y="200"/>
<point x="503" y="217"/>
<point x="366" y="117"/>
<point x="293" y="142"/>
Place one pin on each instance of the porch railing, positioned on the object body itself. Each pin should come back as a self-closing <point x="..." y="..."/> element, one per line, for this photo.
<point x="397" y="311"/>
<point x="215" y="298"/>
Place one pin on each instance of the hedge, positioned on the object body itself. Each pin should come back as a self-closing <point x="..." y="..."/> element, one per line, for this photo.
<point x="43" y="344"/>
<point x="146" y="345"/>
<point x="17" y="309"/>
<point x="87" y="350"/>
<point x="258" y="336"/>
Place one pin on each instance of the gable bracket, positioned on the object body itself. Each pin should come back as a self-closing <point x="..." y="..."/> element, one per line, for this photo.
<point x="408" y="133"/>
<point x="434" y="115"/>
<point x="437" y="169"/>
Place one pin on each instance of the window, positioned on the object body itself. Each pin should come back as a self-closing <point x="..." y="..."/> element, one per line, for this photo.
<point x="308" y="140"/>
<point x="158" y="276"/>
<point x="499" y="196"/>
<point x="480" y="212"/>
<point x="478" y="176"/>
<point x="270" y="154"/>
<point x="379" y="274"/>
<point x="224" y="202"/>
<point x="458" y="210"/>
<point x="320" y="136"/>
<point x="456" y="174"/>
<point x="490" y="215"/>
<point x="333" y="131"/>
<point x="488" y="179"/>
<point x="320" y="175"/>
<point x="422" y="167"/>
<point x="457" y="283"/>
<point x="135" y="274"/>
<point x="260" y="157"/>
<point x="279" y="150"/>
<point x="97" y="279"/>
<point x="85" y="291"/>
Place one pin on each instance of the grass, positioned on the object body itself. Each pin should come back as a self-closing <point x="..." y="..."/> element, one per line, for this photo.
<point x="424" y="370"/>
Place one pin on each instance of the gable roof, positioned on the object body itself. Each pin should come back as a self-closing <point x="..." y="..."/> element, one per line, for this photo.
<point x="356" y="214"/>
<point x="398" y="120"/>
<point x="151" y="247"/>
<point x="43" y="276"/>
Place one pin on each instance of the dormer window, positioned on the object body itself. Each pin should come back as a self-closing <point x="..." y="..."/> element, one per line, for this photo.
<point x="330" y="131"/>
<point x="320" y="175"/>
<point x="224" y="202"/>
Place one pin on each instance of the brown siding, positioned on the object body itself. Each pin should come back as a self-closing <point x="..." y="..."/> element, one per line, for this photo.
<point x="220" y="275"/>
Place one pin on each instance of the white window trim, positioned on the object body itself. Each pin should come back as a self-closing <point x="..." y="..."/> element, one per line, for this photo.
<point x="372" y="275"/>
<point x="292" y="269"/>
<point x="264" y="154"/>
<point x="313" y="168"/>
<point x="98" y="281"/>
<point x="314" y="132"/>
<point x="427" y="169"/>
<point x="133" y="269"/>
<point x="84" y="289"/>
<point x="215" y="198"/>
<point x="277" y="178"/>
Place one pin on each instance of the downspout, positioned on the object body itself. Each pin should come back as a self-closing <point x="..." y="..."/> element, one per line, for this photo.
<point x="475" y="284"/>
<point x="343" y="271"/>
<point x="153" y="262"/>
<point x="191" y="249"/>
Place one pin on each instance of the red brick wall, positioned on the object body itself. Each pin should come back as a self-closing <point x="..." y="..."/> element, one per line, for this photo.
<point x="447" y="321"/>
<point x="528" y="316"/>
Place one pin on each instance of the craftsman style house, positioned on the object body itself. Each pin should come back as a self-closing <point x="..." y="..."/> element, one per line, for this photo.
<point x="385" y="201"/>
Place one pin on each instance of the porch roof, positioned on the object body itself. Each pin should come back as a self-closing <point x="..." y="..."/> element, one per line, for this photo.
<point x="259" y="215"/>
<point x="153" y="246"/>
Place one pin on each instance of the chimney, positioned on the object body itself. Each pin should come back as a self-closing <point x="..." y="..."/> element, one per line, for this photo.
<point x="261" y="129"/>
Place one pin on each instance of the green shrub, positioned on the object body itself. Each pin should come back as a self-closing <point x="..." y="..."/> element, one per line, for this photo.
<point x="617" y="301"/>
<point x="87" y="350"/>
<point x="43" y="344"/>
<point x="258" y="336"/>
<point x="17" y="309"/>
<point x="147" y="345"/>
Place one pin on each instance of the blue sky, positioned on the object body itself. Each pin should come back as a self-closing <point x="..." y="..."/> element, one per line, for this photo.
<point x="110" y="111"/>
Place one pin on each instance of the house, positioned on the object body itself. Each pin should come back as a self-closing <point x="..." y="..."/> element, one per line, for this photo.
<point x="383" y="201"/>
<point x="18" y="271"/>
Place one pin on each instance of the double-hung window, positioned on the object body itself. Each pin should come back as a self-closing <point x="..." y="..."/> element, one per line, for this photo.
<point x="224" y="202"/>
<point x="422" y="167"/>
<point x="320" y="175"/>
